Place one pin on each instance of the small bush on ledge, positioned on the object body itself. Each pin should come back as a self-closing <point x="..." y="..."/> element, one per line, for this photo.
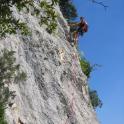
<point x="86" y="67"/>
<point x="95" y="101"/>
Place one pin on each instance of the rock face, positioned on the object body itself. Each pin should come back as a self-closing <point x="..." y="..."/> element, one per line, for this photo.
<point x="55" y="91"/>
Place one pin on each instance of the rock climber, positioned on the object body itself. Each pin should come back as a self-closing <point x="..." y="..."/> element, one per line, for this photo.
<point x="78" y="29"/>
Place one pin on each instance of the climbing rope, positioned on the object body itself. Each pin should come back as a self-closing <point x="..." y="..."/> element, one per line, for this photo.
<point x="75" y="58"/>
<point x="71" y="104"/>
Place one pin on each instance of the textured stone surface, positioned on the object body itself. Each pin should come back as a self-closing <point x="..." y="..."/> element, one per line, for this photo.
<point x="55" y="89"/>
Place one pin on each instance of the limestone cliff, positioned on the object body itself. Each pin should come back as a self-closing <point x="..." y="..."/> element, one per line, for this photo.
<point x="55" y="90"/>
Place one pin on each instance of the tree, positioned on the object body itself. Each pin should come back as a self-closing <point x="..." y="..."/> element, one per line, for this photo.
<point x="68" y="9"/>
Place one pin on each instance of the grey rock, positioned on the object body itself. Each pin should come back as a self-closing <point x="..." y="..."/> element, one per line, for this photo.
<point x="52" y="93"/>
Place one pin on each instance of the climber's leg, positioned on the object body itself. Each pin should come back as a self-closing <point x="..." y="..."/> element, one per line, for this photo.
<point x="75" y="37"/>
<point x="72" y="24"/>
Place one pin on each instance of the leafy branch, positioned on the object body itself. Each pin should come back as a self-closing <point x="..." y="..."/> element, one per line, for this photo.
<point x="10" y="25"/>
<point x="99" y="3"/>
<point x="8" y="71"/>
<point x="50" y="16"/>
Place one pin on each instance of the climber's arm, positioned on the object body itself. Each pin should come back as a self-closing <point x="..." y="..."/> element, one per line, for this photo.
<point x="73" y="24"/>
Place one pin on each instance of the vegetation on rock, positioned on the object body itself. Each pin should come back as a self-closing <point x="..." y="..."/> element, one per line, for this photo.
<point x="10" y="25"/>
<point x="8" y="72"/>
<point x="68" y="9"/>
<point x="86" y="67"/>
<point x="50" y="15"/>
<point x="94" y="98"/>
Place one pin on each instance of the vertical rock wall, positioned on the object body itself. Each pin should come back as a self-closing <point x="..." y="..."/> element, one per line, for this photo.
<point x="55" y="90"/>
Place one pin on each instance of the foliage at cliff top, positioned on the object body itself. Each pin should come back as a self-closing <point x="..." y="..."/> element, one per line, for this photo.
<point x="9" y="24"/>
<point x="68" y="9"/>
<point x="50" y="15"/>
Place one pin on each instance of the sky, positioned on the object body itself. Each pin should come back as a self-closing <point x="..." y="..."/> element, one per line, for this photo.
<point x="103" y="44"/>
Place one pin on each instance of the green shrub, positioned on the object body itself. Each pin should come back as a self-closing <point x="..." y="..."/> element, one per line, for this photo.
<point x="95" y="101"/>
<point x="50" y="16"/>
<point x="22" y="76"/>
<point x="2" y="114"/>
<point x="8" y="70"/>
<point x="86" y="67"/>
<point x="8" y="24"/>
